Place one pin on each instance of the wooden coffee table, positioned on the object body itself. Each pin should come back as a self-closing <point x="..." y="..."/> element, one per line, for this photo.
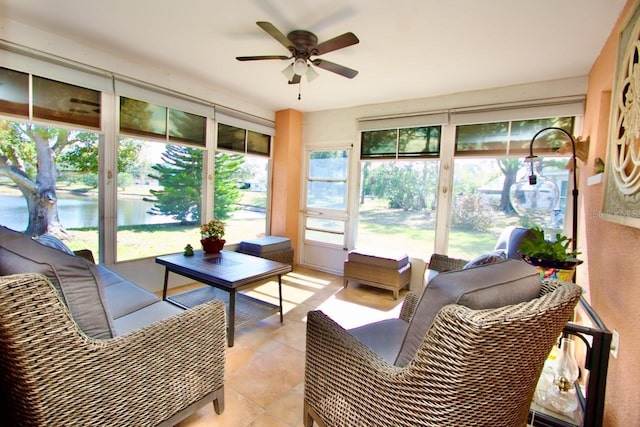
<point x="226" y="273"/>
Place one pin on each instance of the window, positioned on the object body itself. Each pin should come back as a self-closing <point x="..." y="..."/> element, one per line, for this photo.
<point x="70" y="163"/>
<point x="48" y="99"/>
<point x="398" y="196"/>
<point x="240" y="195"/>
<point x="159" y="197"/>
<point x="14" y="92"/>
<point x="66" y="103"/>
<point x="509" y="137"/>
<point x="401" y="143"/>
<point x="326" y="200"/>
<point x="489" y="160"/>
<point x="398" y="205"/>
<point x="145" y="119"/>
<point x="242" y="140"/>
<point x="241" y="182"/>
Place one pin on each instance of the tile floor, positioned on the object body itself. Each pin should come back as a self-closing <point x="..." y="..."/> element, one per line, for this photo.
<point x="265" y="368"/>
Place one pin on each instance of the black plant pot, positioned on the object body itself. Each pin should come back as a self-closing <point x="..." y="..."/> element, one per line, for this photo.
<point x="549" y="269"/>
<point x="568" y="264"/>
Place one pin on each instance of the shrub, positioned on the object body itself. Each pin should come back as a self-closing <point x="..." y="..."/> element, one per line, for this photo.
<point x="471" y="212"/>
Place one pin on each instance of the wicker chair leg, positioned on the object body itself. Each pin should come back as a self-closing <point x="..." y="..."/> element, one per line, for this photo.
<point x="218" y="401"/>
<point x="310" y="416"/>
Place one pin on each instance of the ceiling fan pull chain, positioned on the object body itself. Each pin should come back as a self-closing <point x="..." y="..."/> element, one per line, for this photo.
<point x="299" y="89"/>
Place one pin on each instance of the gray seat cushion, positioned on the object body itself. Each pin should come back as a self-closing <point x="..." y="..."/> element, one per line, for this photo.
<point x="123" y="297"/>
<point x="385" y="337"/>
<point x="74" y="277"/>
<point x="144" y="316"/>
<point x="486" y="286"/>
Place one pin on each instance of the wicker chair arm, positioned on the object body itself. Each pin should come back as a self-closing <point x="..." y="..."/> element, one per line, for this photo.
<point x="324" y="335"/>
<point x="409" y="305"/>
<point x="141" y="378"/>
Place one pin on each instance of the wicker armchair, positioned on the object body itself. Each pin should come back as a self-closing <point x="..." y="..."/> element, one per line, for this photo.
<point x="51" y="373"/>
<point x="473" y="367"/>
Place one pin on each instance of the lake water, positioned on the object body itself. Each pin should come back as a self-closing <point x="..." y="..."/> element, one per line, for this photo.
<point x="78" y="211"/>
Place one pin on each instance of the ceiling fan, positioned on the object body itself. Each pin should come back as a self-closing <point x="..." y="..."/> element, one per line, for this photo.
<point x="302" y="45"/>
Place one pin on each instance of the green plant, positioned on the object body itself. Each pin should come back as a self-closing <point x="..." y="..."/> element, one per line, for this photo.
<point x="213" y="229"/>
<point x="539" y="247"/>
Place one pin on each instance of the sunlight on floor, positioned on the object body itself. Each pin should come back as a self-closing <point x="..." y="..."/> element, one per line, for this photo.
<point x="264" y="378"/>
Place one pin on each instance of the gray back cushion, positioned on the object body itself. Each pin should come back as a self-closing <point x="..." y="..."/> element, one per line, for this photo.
<point x="74" y="277"/>
<point x="486" y="286"/>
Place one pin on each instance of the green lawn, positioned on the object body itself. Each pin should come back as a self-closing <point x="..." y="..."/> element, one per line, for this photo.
<point x="412" y="232"/>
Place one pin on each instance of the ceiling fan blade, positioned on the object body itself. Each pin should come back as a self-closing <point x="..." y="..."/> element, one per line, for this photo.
<point x="258" y="58"/>
<point x="335" y="68"/>
<point x="275" y="33"/>
<point x="346" y="39"/>
<point x="295" y="80"/>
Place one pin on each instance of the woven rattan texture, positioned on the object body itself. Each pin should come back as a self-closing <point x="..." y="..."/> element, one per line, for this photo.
<point x="373" y="275"/>
<point x="58" y="376"/>
<point x="284" y="255"/>
<point x="442" y="263"/>
<point x="473" y="367"/>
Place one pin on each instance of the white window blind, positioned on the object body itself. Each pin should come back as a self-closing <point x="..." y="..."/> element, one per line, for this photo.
<point x="418" y="120"/>
<point x="532" y="110"/>
<point x="168" y="99"/>
<point x="56" y="70"/>
<point x="244" y="121"/>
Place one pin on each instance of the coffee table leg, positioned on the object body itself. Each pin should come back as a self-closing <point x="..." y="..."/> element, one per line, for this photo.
<point x="166" y="281"/>
<point x="231" y="318"/>
<point x="280" y="292"/>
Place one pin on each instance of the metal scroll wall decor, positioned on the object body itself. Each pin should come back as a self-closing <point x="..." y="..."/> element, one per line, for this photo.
<point x="622" y="171"/>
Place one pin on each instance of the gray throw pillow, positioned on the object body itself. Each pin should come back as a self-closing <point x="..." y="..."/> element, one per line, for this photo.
<point x="53" y="242"/>
<point x="74" y="277"/>
<point x="489" y="258"/>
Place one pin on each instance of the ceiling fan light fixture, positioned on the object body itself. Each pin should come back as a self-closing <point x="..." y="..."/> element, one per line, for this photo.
<point x="288" y="72"/>
<point x="312" y="74"/>
<point x="300" y="67"/>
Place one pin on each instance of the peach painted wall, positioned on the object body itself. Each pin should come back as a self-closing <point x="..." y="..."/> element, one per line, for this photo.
<point x="285" y="194"/>
<point x="610" y="250"/>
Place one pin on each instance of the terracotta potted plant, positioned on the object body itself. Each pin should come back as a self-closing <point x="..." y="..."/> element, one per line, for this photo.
<point x="554" y="258"/>
<point x="212" y="233"/>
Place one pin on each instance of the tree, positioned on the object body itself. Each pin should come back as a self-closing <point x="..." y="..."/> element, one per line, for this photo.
<point x="31" y="155"/>
<point x="28" y="156"/>
<point x="406" y="185"/>
<point x="509" y="168"/>
<point x="227" y="193"/>
<point x="83" y="157"/>
<point x="180" y="175"/>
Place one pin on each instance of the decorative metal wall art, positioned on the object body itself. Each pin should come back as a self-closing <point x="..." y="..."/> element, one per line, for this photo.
<point x="621" y="202"/>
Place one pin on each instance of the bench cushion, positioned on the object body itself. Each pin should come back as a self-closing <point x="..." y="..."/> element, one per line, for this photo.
<point x="264" y="245"/>
<point x="391" y="261"/>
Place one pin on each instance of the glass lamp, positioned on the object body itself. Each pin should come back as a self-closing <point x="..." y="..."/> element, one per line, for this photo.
<point x="537" y="197"/>
<point x="562" y="393"/>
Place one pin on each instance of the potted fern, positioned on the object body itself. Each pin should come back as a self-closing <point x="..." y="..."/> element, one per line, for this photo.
<point x="554" y="258"/>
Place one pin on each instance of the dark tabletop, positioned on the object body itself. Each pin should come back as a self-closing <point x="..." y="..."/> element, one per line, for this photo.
<point x="228" y="269"/>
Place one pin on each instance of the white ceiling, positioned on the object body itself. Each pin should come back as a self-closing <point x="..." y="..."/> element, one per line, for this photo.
<point x="408" y="48"/>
